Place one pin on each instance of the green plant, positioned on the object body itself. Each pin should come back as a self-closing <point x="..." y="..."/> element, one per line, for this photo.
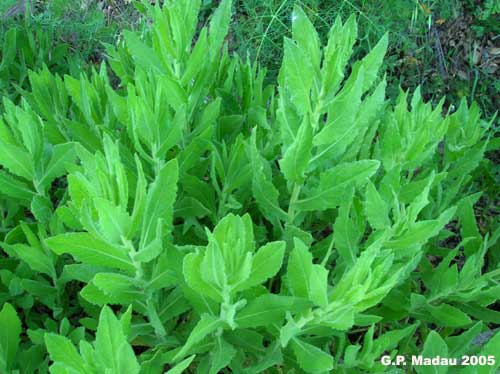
<point x="233" y="227"/>
<point x="65" y="37"/>
<point x="27" y="47"/>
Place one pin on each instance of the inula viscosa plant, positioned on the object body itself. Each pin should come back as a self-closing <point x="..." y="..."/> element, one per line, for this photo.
<point x="191" y="218"/>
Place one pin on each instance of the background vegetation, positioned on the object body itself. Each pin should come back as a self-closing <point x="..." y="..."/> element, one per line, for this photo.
<point x="448" y="47"/>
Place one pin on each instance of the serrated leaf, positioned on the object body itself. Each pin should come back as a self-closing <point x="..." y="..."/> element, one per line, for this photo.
<point x="335" y="182"/>
<point x="16" y="160"/>
<point x="298" y="75"/>
<point x="122" y="288"/>
<point x="376" y="209"/>
<point x="372" y="62"/>
<point x="265" y="264"/>
<point x="14" y="188"/>
<point x="112" y="351"/>
<point x="341" y="127"/>
<point x="310" y="358"/>
<point x="306" y="35"/>
<point x="341" y="39"/>
<point x="219" y="26"/>
<point x="91" y="250"/>
<point x="63" y="353"/>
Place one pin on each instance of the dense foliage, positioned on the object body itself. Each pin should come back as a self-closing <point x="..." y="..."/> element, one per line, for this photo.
<point x="171" y="212"/>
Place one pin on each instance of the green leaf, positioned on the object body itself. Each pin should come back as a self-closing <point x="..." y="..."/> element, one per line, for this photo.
<point x="112" y="351"/>
<point x="189" y="207"/>
<point x="297" y="156"/>
<point x="268" y="309"/>
<point x="181" y="366"/>
<point x="460" y="344"/>
<point x="219" y="26"/>
<point x="266" y="263"/>
<point x="152" y="250"/>
<point x="191" y="156"/>
<point x="299" y="270"/>
<point x="195" y="62"/>
<point x="14" y="188"/>
<point x="160" y="202"/>
<point x="63" y="353"/>
<point x="273" y="357"/>
<point x="347" y="233"/>
<point x="229" y="253"/>
<point x="177" y="98"/>
<point x="10" y="330"/>
<point x="221" y="356"/>
<point x="387" y="342"/>
<point x="335" y="182"/>
<point x="114" y="220"/>
<point x="62" y="154"/>
<point x="142" y="54"/>
<point x="213" y="268"/>
<point x="372" y="62"/>
<point x="121" y="288"/>
<point x="434" y="346"/>
<point x="341" y="127"/>
<point x="265" y="193"/>
<point x="376" y="209"/>
<point x="467" y="218"/>
<point x="416" y="235"/>
<point x="318" y="283"/>
<point x="94" y="295"/>
<point x="91" y="250"/>
<point x="41" y="207"/>
<point x="310" y="358"/>
<point x="306" y="35"/>
<point x="341" y="318"/>
<point x="9" y="47"/>
<point x="448" y="315"/>
<point x="34" y="257"/>
<point x="372" y="109"/>
<point x="341" y="39"/>
<point x="16" y="160"/>
<point x="192" y="274"/>
<point x="297" y="73"/>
